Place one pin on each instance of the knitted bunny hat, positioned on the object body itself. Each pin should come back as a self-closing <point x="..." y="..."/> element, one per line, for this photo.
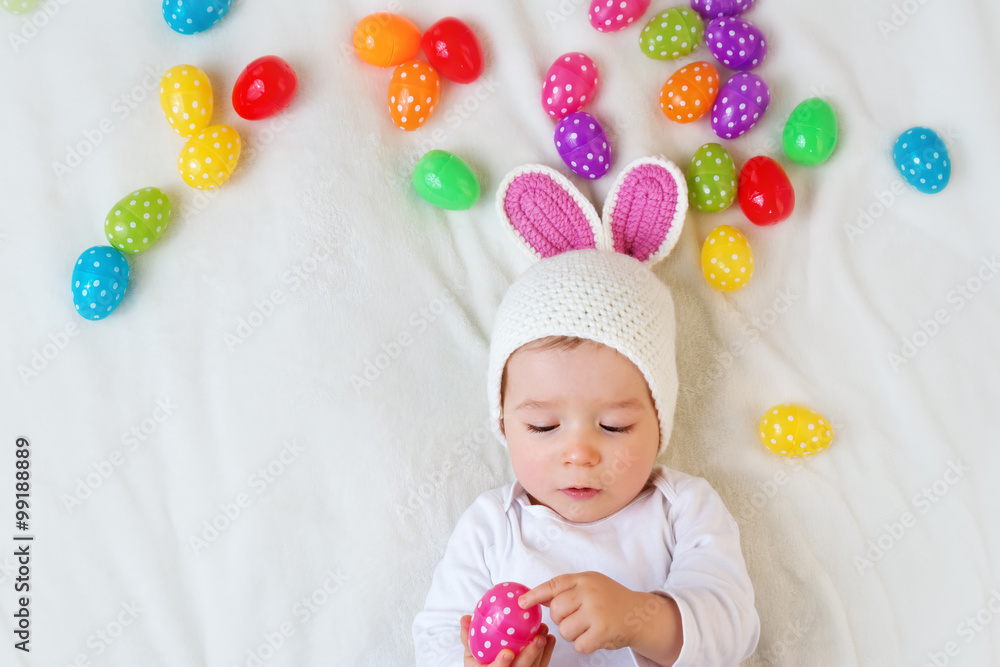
<point x="592" y="278"/>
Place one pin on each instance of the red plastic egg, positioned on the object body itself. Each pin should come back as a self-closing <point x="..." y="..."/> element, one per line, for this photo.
<point x="765" y="193"/>
<point x="453" y="50"/>
<point x="690" y="92"/>
<point x="569" y="83"/>
<point x="413" y="92"/>
<point x="264" y="88"/>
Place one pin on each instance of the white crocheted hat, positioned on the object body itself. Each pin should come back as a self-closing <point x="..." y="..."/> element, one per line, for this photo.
<point x="592" y="279"/>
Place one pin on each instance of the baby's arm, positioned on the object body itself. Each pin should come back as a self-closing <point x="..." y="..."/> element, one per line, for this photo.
<point x="708" y="581"/>
<point x="460" y="579"/>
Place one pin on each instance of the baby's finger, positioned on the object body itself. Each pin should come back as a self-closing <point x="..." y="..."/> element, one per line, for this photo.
<point x="531" y="656"/>
<point x="464" y="632"/>
<point x="545" y="591"/>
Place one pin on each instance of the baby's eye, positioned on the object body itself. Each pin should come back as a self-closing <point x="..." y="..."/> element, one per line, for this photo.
<point x="618" y="429"/>
<point x="539" y="429"/>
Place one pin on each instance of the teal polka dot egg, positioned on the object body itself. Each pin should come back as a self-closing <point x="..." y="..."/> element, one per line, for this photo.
<point x="190" y="16"/>
<point x="137" y="221"/>
<point x="922" y="159"/>
<point x="99" y="281"/>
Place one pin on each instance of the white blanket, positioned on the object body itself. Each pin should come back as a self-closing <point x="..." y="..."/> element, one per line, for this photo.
<point x="257" y="459"/>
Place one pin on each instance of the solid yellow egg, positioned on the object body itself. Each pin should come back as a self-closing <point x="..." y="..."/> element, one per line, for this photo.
<point x="186" y="99"/>
<point x="209" y="157"/>
<point x="794" y="430"/>
<point x="726" y="259"/>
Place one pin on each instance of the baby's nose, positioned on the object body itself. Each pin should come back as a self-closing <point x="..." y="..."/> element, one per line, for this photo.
<point x="581" y="450"/>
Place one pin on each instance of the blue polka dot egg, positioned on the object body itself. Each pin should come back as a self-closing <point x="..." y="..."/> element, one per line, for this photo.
<point x="922" y="159"/>
<point x="99" y="281"/>
<point x="190" y="16"/>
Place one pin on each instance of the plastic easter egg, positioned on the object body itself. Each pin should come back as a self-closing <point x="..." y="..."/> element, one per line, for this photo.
<point x="690" y="92"/>
<point x="612" y="15"/>
<point x="190" y="16"/>
<point x="793" y="431"/>
<point x="726" y="259"/>
<point x="583" y="145"/>
<point x="413" y="92"/>
<point x="209" y="158"/>
<point x="453" y="50"/>
<point x="264" y="87"/>
<point x="446" y="181"/>
<point x="137" y="221"/>
<point x="569" y="83"/>
<point x="736" y="43"/>
<point x="713" y="9"/>
<point x="672" y="33"/>
<point x="18" y="6"/>
<point x="739" y="105"/>
<point x="810" y="133"/>
<point x="498" y="623"/>
<point x="922" y="159"/>
<point x="766" y="195"/>
<point x="99" y="281"/>
<point x="386" y="40"/>
<point x="711" y="179"/>
<point x="186" y="99"/>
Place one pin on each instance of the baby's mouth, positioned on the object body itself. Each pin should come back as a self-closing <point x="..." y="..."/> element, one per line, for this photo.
<point x="580" y="492"/>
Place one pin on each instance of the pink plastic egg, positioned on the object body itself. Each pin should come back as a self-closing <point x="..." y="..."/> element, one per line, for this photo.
<point x="713" y="9"/>
<point x="612" y="15"/>
<point x="569" y="83"/>
<point x="740" y="104"/>
<point x="499" y="623"/>
<point x="583" y="145"/>
<point x="736" y="43"/>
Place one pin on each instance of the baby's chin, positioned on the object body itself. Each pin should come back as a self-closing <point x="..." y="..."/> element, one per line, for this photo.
<point x="585" y="507"/>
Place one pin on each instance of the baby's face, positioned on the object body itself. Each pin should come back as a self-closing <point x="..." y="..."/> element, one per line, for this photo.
<point x="581" y="428"/>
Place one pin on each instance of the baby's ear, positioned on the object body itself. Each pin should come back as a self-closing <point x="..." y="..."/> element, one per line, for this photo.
<point x="644" y="212"/>
<point x="546" y="214"/>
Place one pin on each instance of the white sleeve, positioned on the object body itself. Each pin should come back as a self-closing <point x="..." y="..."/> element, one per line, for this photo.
<point x="708" y="579"/>
<point x="460" y="580"/>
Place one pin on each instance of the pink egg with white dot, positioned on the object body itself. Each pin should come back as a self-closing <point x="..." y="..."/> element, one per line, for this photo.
<point x="498" y="623"/>
<point x="569" y="83"/>
<point x="612" y="15"/>
<point x="740" y="105"/>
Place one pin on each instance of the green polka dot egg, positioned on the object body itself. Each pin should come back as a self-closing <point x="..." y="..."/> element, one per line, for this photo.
<point x="137" y="221"/>
<point x="711" y="179"/>
<point x="18" y="6"/>
<point x="794" y="430"/>
<point x="672" y="33"/>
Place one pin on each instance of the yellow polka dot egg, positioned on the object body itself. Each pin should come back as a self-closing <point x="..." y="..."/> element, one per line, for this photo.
<point x="209" y="158"/>
<point x="793" y="430"/>
<point x="186" y="99"/>
<point x="726" y="259"/>
<point x="137" y="221"/>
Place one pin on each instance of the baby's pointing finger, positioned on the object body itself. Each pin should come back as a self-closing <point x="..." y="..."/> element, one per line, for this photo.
<point x="544" y="592"/>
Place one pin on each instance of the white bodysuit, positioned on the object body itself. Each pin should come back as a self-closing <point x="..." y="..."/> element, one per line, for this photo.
<point x="676" y="538"/>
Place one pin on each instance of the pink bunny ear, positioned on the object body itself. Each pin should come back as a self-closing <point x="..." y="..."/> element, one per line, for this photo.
<point x="645" y="210"/>
<point x="547" y="214"/>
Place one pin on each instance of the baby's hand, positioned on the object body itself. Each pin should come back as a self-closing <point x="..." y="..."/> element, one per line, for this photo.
<point x="535" y="654"/>
<point x="589" y="608"/>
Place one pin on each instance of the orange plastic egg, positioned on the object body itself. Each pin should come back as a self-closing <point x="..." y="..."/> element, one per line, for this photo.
<point x="386" y="40"/>
<point x="413" y="93"/>
<point x="690" y="92"/>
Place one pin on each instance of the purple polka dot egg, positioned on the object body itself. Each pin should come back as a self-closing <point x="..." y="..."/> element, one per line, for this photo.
<point x="736" y="43"/>
<point x="740" y="104"/>
<point x="713" y="9"/>
<point x="583" y="145"/>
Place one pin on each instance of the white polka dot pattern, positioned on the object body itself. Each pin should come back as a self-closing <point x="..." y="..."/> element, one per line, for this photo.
<point x="137" y="221"/>
<point x="209" y="158"/>
<point x="793" y="430"/>
<point x="186" y="99"/>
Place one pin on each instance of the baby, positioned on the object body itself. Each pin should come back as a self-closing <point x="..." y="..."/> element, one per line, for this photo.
<point x="634" y="563"/>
